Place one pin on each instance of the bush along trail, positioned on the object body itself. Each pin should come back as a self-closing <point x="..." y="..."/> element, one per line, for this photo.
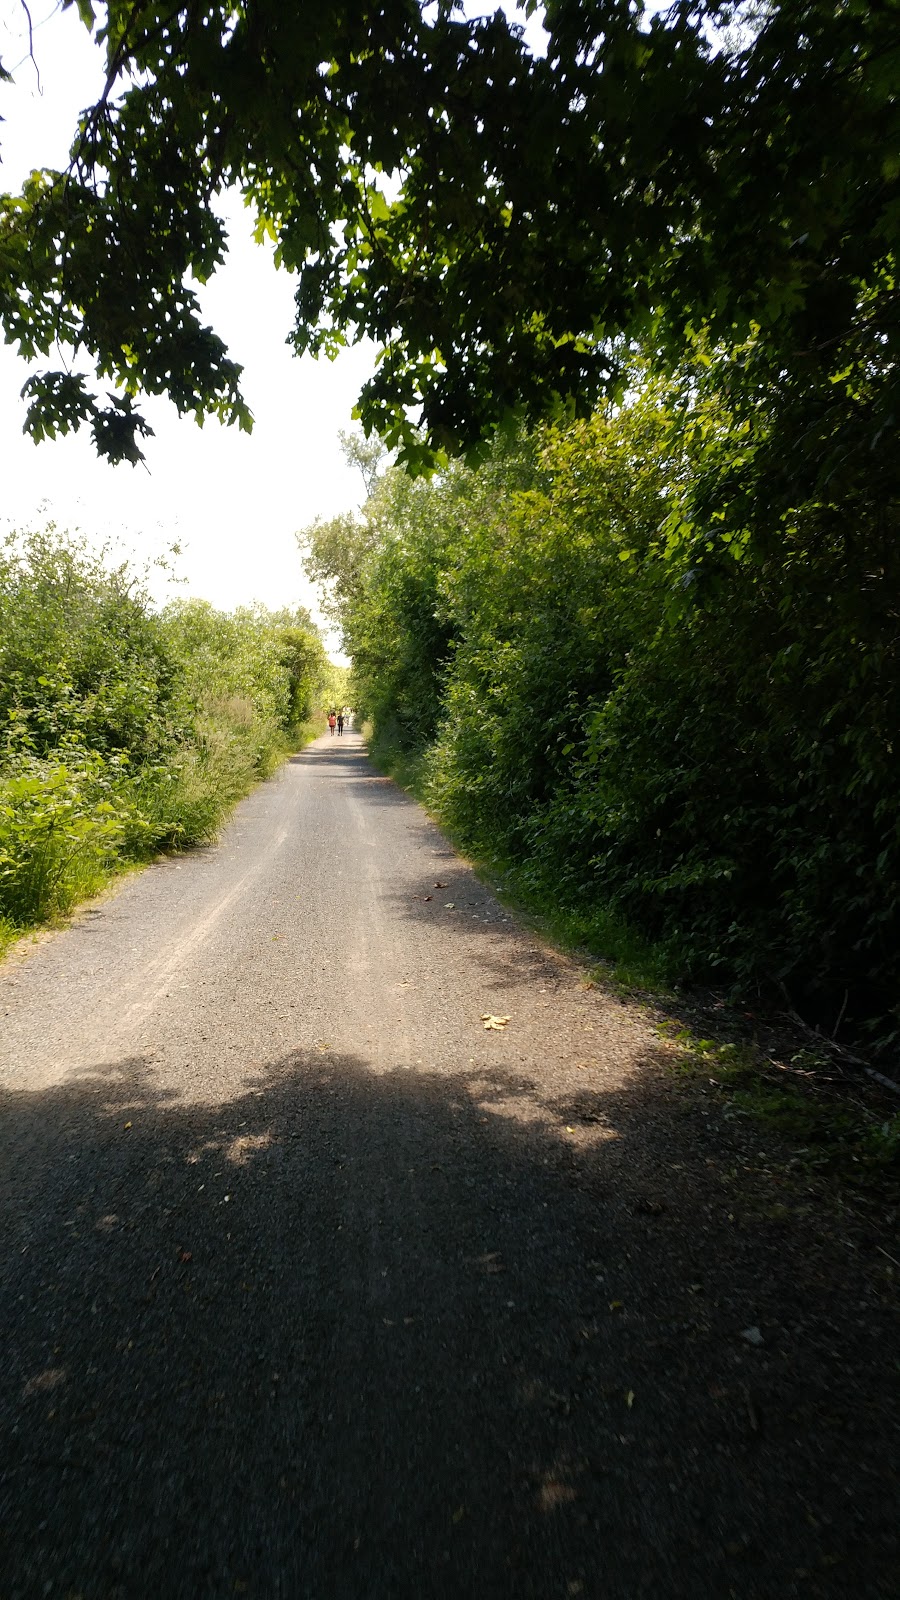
<point x="125" y="730"/>
<point x="648" y="665"/>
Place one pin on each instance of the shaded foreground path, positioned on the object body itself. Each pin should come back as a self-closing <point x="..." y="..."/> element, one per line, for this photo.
<point x="312" y="1287"/>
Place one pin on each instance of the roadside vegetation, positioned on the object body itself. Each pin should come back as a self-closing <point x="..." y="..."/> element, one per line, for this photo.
<point x="125" y="730"/>
<point x="646" y="667"/>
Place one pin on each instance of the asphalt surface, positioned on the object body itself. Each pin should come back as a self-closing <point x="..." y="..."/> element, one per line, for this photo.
<point x="312" y="1286"/>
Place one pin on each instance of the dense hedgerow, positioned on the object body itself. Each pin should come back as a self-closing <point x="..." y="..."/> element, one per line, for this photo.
<point x="124" y="730"/>
<point x="652" y="660"/>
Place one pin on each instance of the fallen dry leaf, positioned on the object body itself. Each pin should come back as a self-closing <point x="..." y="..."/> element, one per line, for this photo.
<point x="490" y="1021"/>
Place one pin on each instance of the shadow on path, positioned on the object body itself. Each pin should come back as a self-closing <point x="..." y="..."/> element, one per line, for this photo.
<point x="390" y="1335"/>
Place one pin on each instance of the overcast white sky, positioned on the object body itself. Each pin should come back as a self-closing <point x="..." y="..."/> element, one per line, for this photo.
<point x="233" y="501"/>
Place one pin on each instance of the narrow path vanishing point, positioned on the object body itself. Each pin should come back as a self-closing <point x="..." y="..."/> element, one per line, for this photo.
<point x="313" y="1287"/>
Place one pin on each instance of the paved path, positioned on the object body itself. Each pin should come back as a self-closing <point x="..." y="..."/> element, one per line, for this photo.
<point x="312" y="1287"/>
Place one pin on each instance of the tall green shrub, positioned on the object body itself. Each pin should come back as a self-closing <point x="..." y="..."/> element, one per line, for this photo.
<point x="660" y="658"/>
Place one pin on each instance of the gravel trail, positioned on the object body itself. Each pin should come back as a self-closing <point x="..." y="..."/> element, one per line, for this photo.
<point x="313" y="1287"/>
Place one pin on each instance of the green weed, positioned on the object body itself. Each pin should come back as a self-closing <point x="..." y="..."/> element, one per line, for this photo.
<point x="59" y="834"/>
<point x="830" y="1128"/>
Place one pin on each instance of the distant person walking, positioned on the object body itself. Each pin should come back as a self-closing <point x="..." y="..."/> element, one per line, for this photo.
<point x="332" y="720"/>
<point x="340" y="722"/>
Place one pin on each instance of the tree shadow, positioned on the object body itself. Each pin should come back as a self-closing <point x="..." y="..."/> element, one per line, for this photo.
<point x="334" y="753"/>
<point x="394" y="1333"/>
<point x="351" y="766"/>
<point x="451" y="899"/>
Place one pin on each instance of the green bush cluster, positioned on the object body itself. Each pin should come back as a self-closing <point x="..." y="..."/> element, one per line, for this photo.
<point x="650" y="659"/>
<point x="124" y="730"/>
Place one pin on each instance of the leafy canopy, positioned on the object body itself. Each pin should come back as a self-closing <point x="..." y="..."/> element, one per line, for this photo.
<point x="499" y="223"/>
